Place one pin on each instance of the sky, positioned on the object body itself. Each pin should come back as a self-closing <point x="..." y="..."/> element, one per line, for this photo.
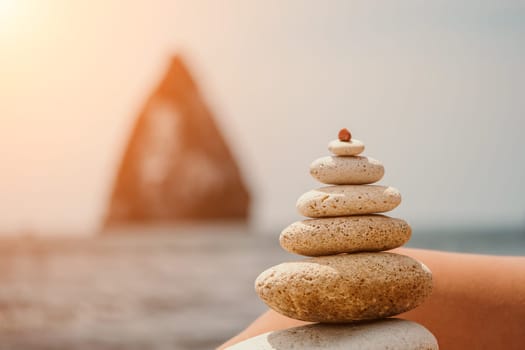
<point x="435" y="90"/>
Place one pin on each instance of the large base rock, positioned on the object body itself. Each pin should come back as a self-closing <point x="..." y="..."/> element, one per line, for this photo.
<point x="345" y="288"/>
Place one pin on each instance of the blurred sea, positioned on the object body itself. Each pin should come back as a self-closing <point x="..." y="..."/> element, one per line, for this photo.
<point x="156" y="288"/>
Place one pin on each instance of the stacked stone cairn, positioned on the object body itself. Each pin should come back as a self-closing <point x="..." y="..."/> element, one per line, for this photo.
<point x="349" y="286"/>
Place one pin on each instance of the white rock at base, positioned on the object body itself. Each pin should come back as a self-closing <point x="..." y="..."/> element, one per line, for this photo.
<point x="390" y="333"/>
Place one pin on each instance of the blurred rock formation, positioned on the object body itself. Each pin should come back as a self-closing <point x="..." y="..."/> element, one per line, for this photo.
<point x="177" y="166"/>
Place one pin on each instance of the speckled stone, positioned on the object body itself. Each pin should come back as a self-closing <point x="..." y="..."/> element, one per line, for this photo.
<point x="343" y="200"/>
<point x="347" y="234"/>
<point x="386" y="334"/>
<point x="343" y="148"/>
<point x="358" y="170"/>
<point x="345" y="288"/>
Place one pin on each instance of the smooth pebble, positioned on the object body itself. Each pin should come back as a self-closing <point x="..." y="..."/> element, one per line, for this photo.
<point x="345" y="287"/>
<point x="343" y="148"/>
<point x="335" y="170"/>
<point x="386" y="334"/>
<point x="343" y="200"/>
<point x="346" y="234"/>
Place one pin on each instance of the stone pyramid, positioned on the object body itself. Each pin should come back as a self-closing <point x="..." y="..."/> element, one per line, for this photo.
<point x="349" y="286"/>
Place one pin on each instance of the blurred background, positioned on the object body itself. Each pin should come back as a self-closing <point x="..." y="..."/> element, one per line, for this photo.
<point x="152" y="151"/>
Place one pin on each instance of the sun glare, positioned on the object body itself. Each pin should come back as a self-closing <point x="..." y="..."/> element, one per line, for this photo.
<point x="21" y="22"/>
<point x="7" y="10"/>
<point x="9" y="13"/>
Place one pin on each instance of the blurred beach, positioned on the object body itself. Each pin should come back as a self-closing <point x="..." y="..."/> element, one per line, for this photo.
<point x="159" y="290"/>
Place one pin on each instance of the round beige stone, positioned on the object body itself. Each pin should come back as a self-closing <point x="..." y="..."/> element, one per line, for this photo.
<point x="346" y="287"/>
<point x="347" y="234"/>
<point x="343" y="200"/>
<point x="343" y="148"/>
<point x="385" y="334"/>
<point x="357" y="170"/>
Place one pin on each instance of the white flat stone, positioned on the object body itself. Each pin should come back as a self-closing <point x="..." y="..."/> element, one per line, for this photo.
<point x="344" y="148"/>
<point x="386" y="334"/>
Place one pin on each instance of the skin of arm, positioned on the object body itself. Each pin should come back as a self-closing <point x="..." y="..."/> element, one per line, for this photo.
<point x="477" y="302"/>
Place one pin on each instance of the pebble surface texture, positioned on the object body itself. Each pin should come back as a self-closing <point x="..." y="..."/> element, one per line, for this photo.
<point x="329" y="236"/>
<point x="345" y="288"/>
<point x="387" y="334"/>
<point x="343" y="200"/>
<point x="343" y="148"/>
<point x="358" y="170"/>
